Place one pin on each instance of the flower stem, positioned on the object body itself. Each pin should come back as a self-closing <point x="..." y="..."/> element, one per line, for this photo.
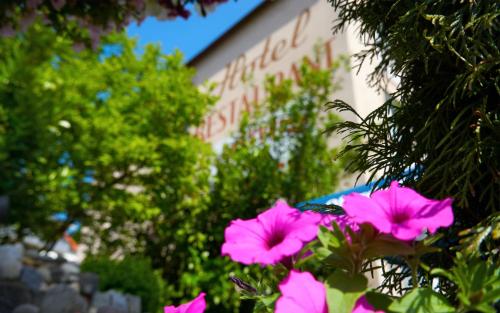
<point x="414" y="277"/>
<point x="413" y="263"/>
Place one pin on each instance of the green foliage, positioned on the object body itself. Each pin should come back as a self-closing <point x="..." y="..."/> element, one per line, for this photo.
<point x="349" y="250"/>
<point x="132" y="275"/>
<point x="343" y="290"/>
<point x="95" y="134"/>
<point x="445" y="123"/>
<point x="482" y="239"/>
<point x="477" y="282"/>
<point x="105" y="136"/>
<point x="421" y="300"/>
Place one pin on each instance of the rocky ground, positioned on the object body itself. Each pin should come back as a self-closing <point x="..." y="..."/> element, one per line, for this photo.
<point x="32" y="283"/>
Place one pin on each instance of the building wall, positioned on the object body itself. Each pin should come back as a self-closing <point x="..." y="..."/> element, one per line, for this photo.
<point x="273" y="40"/>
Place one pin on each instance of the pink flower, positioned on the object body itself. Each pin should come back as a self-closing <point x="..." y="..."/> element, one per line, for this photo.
<point x="399" y="211"/>
<point x="198" y="305"/>
<point x="362" y="306"/>
<point x="301" y="293"/>
<point x="341" y="220"/>
<point x="275" y="234"/>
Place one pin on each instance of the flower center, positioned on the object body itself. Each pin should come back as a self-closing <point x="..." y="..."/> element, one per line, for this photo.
<point x="400" y="217"/>
<point x="275" y="239"/>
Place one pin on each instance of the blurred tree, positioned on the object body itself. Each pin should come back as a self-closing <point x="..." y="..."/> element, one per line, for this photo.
<point x="103" y="136"/>
<point x="86" y="21"/>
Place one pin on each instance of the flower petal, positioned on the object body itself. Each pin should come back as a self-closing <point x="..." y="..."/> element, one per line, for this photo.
<point x="275" y="234"/>
<point x="400" y="200"/>
<point x="406" y="231"/>
<point x="278" y="217"/>
<point x="435" y="214"/>
<point x="364" y="210"/>
<point x="197" y="305"/>
<point x="400" y="211"/>
<point x="301" y="293"/>
<point x="244" y="240"/>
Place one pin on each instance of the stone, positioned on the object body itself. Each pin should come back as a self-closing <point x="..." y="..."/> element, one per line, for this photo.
<point x="111" y="298"/>
<point x="89" y="283"/>
<point x="57" y="274"/>
<point x="15" y="250"/>
<point x="38" y="297"/>
<point x="11" y="261"/>
<point x="62" y="299"/>
<point x="4" y="207"/>
<point x="109" y="309"/>
<point x="26" y="308"/>
<point x="31" y="278"/>
<point x="74" y="286"/>
<point x="44" y="271"/>
<point x="13" y="294"/>
<point x="134" y="304"/>
<point x="70" y="268"/>
<point x="70" y="271"/>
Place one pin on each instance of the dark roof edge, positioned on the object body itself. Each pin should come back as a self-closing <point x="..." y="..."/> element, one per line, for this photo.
<point x="230" y="31"/>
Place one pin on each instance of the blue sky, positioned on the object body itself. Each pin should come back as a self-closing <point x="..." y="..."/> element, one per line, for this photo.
<point x="191" y="36"/>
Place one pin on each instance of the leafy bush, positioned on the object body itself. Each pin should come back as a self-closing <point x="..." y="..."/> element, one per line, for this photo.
<point x="132" y="275"/>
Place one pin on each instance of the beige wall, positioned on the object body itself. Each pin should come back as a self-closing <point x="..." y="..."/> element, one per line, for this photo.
<point x="273" y="41"/>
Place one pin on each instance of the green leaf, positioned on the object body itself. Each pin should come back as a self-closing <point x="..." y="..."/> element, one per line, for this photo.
<point x="379" y="301"/>
<point x="343" y="290"/>
<point x="421" y="300"/>
<point x="387" y="246"/>
<point x="326" y="237"/>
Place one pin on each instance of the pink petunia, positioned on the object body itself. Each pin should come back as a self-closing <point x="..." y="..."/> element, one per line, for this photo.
<point x="341" y="220"/>
<point x="197" y="305"/>
<point x="275" y="234"/>
<point x="301" y="293"/>
<point x="399" y="211"/>
<point x="362" y="306"/>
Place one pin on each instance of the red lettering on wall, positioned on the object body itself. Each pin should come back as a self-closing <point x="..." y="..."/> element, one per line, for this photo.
<point x="295" y="73"/>
<point x="279" y="50"/>
<point x="221" y="118"/>
<point x="298" y="33"/>
<point x="227" y="75"/>
<point x="249" y="103"/>
<point x="278" y="77"/>
<point x="238" y="67"/>
<point x="263" y="56"/>
<point x="329" y="53"/>
<point x="232" y="106"/>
